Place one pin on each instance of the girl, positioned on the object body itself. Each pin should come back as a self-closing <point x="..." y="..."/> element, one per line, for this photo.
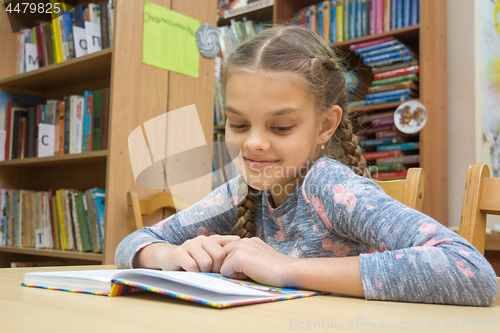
<point x="312" y="218"/>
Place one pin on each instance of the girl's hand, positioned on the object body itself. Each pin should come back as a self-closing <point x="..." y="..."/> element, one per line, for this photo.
<point x="200" y="254"/>
<point x="253" y="258"/>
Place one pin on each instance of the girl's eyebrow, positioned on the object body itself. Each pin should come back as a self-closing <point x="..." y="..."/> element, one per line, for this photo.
<point x="272" y="114"/>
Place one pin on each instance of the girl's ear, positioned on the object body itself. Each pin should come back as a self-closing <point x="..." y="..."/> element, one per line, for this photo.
<point x="329" y="122"/>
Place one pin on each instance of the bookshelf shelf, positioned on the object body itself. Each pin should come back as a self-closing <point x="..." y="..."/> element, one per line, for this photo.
<point x="259" y="11"/>
<point x="52" y="253"/>
<point x="408" y="32"/>
<point x="83" y="69"/>
<point x="378" y="107"/>
<point x="68" y="159"/>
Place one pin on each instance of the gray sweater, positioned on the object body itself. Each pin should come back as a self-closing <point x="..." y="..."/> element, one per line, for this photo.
<point x="404" y="255"/>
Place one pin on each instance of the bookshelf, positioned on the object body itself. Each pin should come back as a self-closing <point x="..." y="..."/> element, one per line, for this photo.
<point x="429" y="39"/>
<point x="139" y="92"/>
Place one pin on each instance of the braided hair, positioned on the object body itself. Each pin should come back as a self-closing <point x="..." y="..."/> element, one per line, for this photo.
<point x="305" y="56"/>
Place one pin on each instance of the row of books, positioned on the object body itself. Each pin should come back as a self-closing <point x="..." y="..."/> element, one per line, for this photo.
<point x="230" y="37"/>
<point x="340" y="20"/>
<point x="83" y="30"/>
<point x="65" y="219"/>
<point x="396" y="84"/>
<point x="77" y="124"/>
<point x="223" y="169"/>
<point x="388" y="151"/>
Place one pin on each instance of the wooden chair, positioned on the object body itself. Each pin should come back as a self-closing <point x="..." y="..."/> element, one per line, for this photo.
<point x="137" y="207"/>
<point x="409" y="191"/>
<point x="481" y="197"/>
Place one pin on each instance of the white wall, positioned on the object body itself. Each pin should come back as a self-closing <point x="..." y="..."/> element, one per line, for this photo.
<point x="466" y="143"/>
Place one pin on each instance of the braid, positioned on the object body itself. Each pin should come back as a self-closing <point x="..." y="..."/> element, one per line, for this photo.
<point x="352" y="152"/>
<point x="246" y="209"/>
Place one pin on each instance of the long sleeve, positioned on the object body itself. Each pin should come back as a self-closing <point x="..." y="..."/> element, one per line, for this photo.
<point x="413" y="257"/>
<point x="214" y="214"/>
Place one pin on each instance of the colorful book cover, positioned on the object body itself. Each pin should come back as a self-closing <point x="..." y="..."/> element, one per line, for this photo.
<point x="319" y="20"/>
<point x="390" y="55"/>
<point x="397" y="72"/>
<point x="402" y="146"/>
<point x="333" y="21"/>
<point x="382" y="154"/>
<point x="354" y="47"/>
<point x="408" y="59"/>
<point x="414" y="12"/>
<point x="389" y="175"/>
<point x="379" y="142"/>
<point x="98" y="200"/>
<point x="391" y="93"/>
<point x="397" y="79"/>
<point x="393" y="14"/>
<point x="365" y="17"/>
<point x="376" y="46"/>
<point x="359" y="18"/>
<point x="396" y="86"/>
<point x="340" y="21"/>
<point x="408" y="159"/>
<point x="406" y="13"/>
<point x="87" y="143"/>
<point x="326" y="21"/>
<point x="345" y="8"/>
<point x="60" y="215"/>
<point x="373" y="17"/>
<point x="382" y="51"/>
<point x="399" y="14"/>
<point x="352" y="19"/>
<point x="385" y="167"/>
<point x="208" y="289"/>
<point x="379" y="19"/>
<point x="387" y="15"/>
<point x="83" y="222"/>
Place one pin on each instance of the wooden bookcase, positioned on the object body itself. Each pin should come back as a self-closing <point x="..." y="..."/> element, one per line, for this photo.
<point x="429" y="38"/>
<point x="139" y="92"/>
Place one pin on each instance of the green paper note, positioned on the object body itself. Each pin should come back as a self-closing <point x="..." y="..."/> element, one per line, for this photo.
<point x="169" y="40"/>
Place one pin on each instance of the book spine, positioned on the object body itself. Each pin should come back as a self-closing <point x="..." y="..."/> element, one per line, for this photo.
<point x="99" y="218"/>
<point x="93" y="222"/>
<point x="386" y="94"/>
<point x="312" y="18"/>
<point x="359" y="18"/>
<point x="393" y="14"/>
<point x="96" y="134"/>
<point x="58" y="51"/>
<point x="397" y="79"/>
<point x="383" y="122"/>
<point x="413" y="12"/>
<point x="74" y="219"/>
<point x="354" y="47"/>
<point x="79" y="119"/>
<point x="68" y="33"/>
<point x="379" y="19"/>
<point x="370" y="117"/>
<point x="319" y="20"/>
<point x="39" y="119"/>
<point x="346" y="17"/>
<point x="385" y="167"/>
<point x="382" y="51"/>
<point x="21" y="148"/>
<point x="62" y="128"/>
<point x="383" y="154"/>
<point x="387" y="15"/>
<point x="399" y="14"/>
<point x="408" y="159"/>
<point x="387" y="134"/>
<point x="31" y="131"/>
<point x="406" y="13"/>
<point x="340" y="21"/>
<point x="60" y="214"/>
<point x="88" y="142"/>
<point x="394" y="174"/>
<point x="389" y="87"/>
<point x="387" y="56"/>
<point x="391" y="62"/>
<point x="352" y="19"/>
<point x="376" y="46"/>
<point x="8" y="131"/>
<point x="379" y="142"/>
<point x="67" y="118"/>
<point x="403" y="146"/>
<point x="372" y="15"/>
<point x="40" y="46"/>
<point x="397" y="72"/>
<point x="326" y="21"/>
<point x="103" y="7"/>
<point x="333" y="21"/>
<point x="104" y="117"/>
<point x="365" y="16"/>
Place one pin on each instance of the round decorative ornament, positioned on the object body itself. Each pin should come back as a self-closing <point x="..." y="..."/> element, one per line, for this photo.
<point x="353" y="82"/>
<point x="410" y="117"/>
<point x="207" y="40"/>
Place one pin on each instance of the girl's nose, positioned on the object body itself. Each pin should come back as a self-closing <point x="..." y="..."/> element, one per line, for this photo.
<point x="257" y="141"/>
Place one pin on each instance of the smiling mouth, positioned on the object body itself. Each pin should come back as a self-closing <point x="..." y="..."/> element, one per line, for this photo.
<point x="258" y="164"/>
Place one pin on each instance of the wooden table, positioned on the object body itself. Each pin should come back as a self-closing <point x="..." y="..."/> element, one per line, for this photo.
<point x="24" y="309"/>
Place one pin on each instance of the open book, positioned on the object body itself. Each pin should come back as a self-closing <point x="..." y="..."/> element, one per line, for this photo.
<point x="205" y="288"/>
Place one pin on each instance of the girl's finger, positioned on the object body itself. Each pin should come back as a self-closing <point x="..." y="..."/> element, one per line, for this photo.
<point x="202" y="258"/>
<point x="216" y="252"/>
<point x="224" y="239"/>
<point x="186" y="262"/>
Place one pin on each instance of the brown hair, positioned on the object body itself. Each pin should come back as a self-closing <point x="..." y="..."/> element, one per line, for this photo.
<point x="304" y="55"/>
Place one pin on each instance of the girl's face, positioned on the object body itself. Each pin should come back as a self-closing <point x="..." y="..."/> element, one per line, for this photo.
<point x="275" y="123"/>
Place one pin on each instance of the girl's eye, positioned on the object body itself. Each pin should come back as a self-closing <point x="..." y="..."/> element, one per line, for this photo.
<point x="237" y="126"/>
<point x="283" y="129"/>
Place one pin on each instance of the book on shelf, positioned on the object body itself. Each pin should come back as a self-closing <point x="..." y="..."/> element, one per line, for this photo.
<point x="395" y="65"/>
<point x="392" y="93"/>
<point x="407" y="159"/>
<point x="402" y="146"/>
<point x="378" y="101"/>
<point x="382" y="154"/>
<point x="206" y="288"/>
<point x="381" y="142"/>
<point x="385" y="167"/>
<point x="61" y="38"/>
<point x="68" y="124"/>
<point x="397" y="79"/>
<point x="390" y="174"/>
<point x="51" y="219"/>
<point x="397" y="72"/>
<point x="349" y="19"/>
<point x="396" y="86"/>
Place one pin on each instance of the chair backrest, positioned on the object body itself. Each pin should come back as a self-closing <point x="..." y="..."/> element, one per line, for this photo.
<point x="481" y="197"/>
<point x="409" y="191"/>
<point x="138" y="207"/>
